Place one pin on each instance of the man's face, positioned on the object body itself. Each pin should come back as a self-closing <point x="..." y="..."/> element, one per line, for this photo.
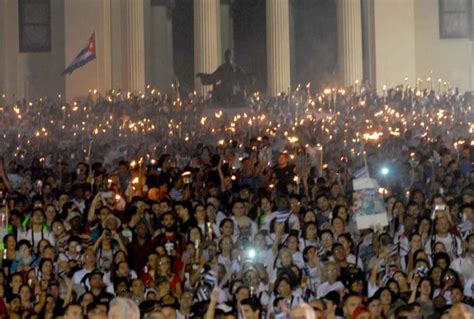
<point x="75" y="223"/>
<point x="15" y="220"/>
<point x="442" y="224"/>
<point x="282" y="160"/>
<point x="413" y="211"/>
<point x="250" y="313"/>
<point x="123" y="169"/>
<point x="168" y="220"/>
<point x="238" y="209"/>
<point x="63" y="199"/>
<point x="339" y="254"/>
<point x="96" y="281"/>
<point x="164" y="207"/>
<point x="50" y="212"/>
<point x="73" y="312"/>
<point x="323" y="203"/>
<point x="181" y="211"/>
<point x="332" y="272"/>
<point x="350" y="305"/>
<point x="141" y="230"/>
<point x="141" y="206"/>
<point x="38" y="217"/>
<point x="295" y="205"/>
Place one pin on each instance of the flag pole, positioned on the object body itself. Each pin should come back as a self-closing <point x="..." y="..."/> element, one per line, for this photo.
<point x="96" y="62"/>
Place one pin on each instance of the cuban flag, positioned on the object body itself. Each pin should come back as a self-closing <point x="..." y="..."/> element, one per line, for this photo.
<point x="85" y="56"/>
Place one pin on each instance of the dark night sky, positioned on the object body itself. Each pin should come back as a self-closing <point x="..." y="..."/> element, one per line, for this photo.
<point x="314" y="34"/>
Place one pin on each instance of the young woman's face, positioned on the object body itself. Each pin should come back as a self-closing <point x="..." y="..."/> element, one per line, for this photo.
<point x="73" y="247"/>
<point x="242" y="294"/>
<point x="357" y="286"/>
<point x="425" y="226"/>
<point x="211" y="213"/>
<point x="293" y="243"/>
<point x="326" y="238"/>
<point x="25" y="293"/>
<point x="415" y="243"/>
<point x="42" y="245"/>
<point x="345" y="243"/>
<point x="399" y="208"/>
<point x="386" y="297"/>
<point x="266" y="205"/>
<point x="11" y="243"/>
<point x="50" y="212"/>
<point x="456" y="296"/>
<point x="87" y="299"/>
<point x="284" y="288"/>
<point x="194" y="234"/>
<point x="401" y="279"/>
<point x="164" y="264"/>
<point x="394" y="288"/>
<point x="311" y="232"/>
<point x="58" y="228"/>
<point x="227" y="228"/>
<point x="338" y="225"/>
<point x="375" y="308"/>
<point x="200" y="213"/>
<point x="342" y="212"/>
<point x="260" y="241"/>
<point x="152" y="260"/>
<point x="286" y="258"/>
<point x="47" y="268"/>
<point x="123" y="269"/>
<point x="120" y="257"/>
<point x="226" y="244"/>
<point x="425" y="288"/>
<point x="309" y="217"/>
<point x="436" y="273"/>
<point x="25" y="251"/>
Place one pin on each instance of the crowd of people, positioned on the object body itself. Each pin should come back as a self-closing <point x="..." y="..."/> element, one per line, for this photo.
<point x="149" y="206"/>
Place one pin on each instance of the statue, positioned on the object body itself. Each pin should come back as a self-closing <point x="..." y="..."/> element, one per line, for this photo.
<point x="228" y="81"/>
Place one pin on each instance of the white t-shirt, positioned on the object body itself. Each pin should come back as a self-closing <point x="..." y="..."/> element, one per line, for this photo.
<point x="293" y="221"/>
<point x="448" y="242"/>
<point x="326" y="288"/>
<point x="36" y="237"/>
<point x="464" y="266"/>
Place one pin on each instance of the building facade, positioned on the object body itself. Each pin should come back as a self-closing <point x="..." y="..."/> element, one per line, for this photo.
<point x="383" y="42"/>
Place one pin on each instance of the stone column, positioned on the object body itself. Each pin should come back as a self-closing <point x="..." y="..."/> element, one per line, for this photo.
<point x="278" y="46"/>
<point x="349" y="31"/>
<point x="134" y="45"/>
<point x="227" y="26"/>
<point x="161" y="45"/>
<point x="206" y="40"/>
